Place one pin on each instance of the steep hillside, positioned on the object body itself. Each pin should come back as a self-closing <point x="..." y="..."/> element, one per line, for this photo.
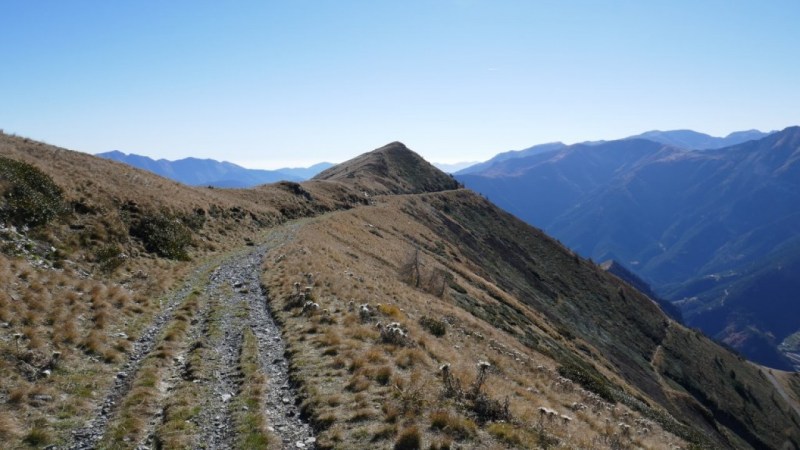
<point x="621" y="272"/>
<point x="690" y="223"/>
<point x="418" y="316"/>
<point x="208" y="172"/>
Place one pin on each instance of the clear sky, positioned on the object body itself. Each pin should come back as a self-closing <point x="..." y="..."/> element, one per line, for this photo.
<point x="275" y="83"/>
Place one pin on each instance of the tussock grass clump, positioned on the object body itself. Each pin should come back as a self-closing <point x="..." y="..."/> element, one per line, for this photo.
<point x="408" y="439"/>
<point x="37" y="436"/>
<point x="390" y="311"/>
<point x="9" y="428"/>
<point x="383" y="375"/>
<point x="512" y="436"/>
<point x="109" y="257"/>
<point x="457" y="426"/>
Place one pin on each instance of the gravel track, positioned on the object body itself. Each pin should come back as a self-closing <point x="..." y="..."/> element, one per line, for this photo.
<point x="237" y="282"/>
<point x="233" y="293"/>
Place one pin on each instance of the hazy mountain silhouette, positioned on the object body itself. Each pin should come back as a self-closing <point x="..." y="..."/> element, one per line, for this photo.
<point x="685" y="139"/>
<point x="513" y="154"/>
<point x="692" y="140"/>
<point x="209" y="172"/>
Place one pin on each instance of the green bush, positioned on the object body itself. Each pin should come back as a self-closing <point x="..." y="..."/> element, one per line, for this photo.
<point x="589" y="378"/>
<point x="435" y="327"/>
<point x="163" y="235"/>
<point x="194" y="220"/>
<point x="28" y="196"/>
<point x="109" y="257"/>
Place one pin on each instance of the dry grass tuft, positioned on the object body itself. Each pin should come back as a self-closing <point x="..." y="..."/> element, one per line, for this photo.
<point x="457" y="426"/>
<point x="408" y="439"/>
<point x="9" y="428"/>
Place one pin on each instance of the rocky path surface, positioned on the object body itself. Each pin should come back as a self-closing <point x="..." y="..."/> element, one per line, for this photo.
<point x="237" y="285"/>
<point x="232" y="303"/>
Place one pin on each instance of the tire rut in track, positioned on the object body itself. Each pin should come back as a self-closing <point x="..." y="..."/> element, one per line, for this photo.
<point x="216" y="419"/>
<point x="175" y="374"/>
<point x="89" y="436"/>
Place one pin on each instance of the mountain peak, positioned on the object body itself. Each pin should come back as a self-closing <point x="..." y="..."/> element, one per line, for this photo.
<point x="391" y="169"/>
<point x="790" y="132"/>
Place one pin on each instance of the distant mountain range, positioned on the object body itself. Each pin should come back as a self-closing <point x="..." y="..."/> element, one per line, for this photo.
<point x="686" y="139"/>
<point x="209" y="172"/>
<point x="692" y="140"/>
<point x="715" y="231"/>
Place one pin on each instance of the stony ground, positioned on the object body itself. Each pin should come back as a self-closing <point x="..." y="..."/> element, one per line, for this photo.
<point x="182" y="382"/>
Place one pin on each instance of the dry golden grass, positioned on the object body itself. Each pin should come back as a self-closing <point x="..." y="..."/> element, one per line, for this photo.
<point x="346" y="369"/>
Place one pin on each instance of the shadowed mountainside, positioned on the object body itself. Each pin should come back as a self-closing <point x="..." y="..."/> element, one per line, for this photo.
<point x="700" y="227"/>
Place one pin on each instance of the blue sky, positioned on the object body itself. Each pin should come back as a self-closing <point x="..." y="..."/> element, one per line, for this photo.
<point x="276" y="83"/>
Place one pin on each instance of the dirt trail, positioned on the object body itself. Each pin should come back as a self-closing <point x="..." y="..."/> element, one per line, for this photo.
<point x="234" y="302"/>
